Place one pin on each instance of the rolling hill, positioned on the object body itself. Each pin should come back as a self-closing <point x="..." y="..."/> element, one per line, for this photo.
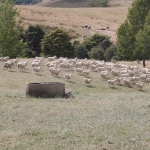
<point x="80" y="3"/>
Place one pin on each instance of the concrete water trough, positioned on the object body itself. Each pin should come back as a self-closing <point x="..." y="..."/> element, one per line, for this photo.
<point x="45" y="89"/>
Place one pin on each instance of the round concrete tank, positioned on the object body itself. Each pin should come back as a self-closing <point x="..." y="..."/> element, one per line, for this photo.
<point x="45" y="89"/>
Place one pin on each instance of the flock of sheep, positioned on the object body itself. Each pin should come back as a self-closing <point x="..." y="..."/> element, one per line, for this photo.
<point x="113" y="73"/>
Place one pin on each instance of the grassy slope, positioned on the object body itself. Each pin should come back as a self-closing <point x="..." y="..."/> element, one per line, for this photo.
<point x="98" y="117"/>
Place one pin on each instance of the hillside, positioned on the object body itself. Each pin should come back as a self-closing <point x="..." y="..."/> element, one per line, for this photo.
<point x="80" y="3"/>
<point x="73" y="19"/>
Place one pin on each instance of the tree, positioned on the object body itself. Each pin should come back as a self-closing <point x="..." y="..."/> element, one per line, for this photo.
<point x="129" y="29"/>
<point x="10" y="28"/>
<point x="97" y="40"/>
<point x="98" y="3"/>
<point x="57" y="43"/>
<point x="97" y="53"/>
<point x="33" y="36"/>
<point x="143" y="41"/>
<point x="110" y="52"/>
<point x="81" y="52"/>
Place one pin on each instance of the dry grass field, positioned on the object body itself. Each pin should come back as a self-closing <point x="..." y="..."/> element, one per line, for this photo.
<point x="98" y="118"/>
<point x="72" y="19"/>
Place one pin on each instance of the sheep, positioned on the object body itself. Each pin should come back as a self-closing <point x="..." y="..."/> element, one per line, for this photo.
<point x="15" y="60"/>
<point x="68" y="76"/>
<point x="118" y="80"/>
<point x="36" y="69"/>
<point x="87" y="81"/>
<point x="35" y="64"/>
<point x="21" y="65"/>
<point x="64" y="65"/>
<point x="101" y="69"/>
<point x="86" y="72"/>
<point x="51" y="58"/>
<point x="139" y="85"/>
<point x="115" y="72"/>
<point x="7" y="65"/>
<point x="111" y="82"/>
<point x="148" y="80"/>
<point x="50" y="68"/>
<point x="103" y="74"/>
<point x="55" y="72"/>
<point x="79" y="70"/>
<point x="126" y="81"/>
<point x="4" y="59"/>
<point x="143" y="77"/>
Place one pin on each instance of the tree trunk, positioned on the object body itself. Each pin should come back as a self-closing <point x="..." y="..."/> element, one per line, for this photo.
<point x="144" y="65"/>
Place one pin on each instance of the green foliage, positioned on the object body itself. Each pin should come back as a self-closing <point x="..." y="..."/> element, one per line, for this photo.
<point x="57" y="43"/>
<point x="143" y="41"/>
<point x="33" y="36"/>
<point x="110" y="52"/>
<point x="129" y="32"/>
<point x="97" y="40"/>
<point x="19" y="2"/>
<point x="97" y="53"/>
<point x="10" y="28"/>
<point x="99" y="3"/>
<point x="81" y="52"/>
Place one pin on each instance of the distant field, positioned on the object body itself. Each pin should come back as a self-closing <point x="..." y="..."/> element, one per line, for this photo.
<point x="75" y="18"/>
<point x="98" y="118"/>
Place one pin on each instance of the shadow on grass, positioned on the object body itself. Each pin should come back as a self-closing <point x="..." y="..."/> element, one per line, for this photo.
<point x="40" y="75"/>
<point x="71" y="81"/>
<point x="90" y="86"/>
<point x="113" y="87"/>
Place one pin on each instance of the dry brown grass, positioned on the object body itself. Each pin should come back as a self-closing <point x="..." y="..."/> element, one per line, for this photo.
<point x="97" y="118"/>
<point x="75" y="18"/>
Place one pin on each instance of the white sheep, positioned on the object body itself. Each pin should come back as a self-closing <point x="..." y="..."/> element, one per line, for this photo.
<point x="35" y="64"/>
<point x="103" y="74"/>
<point x="87" y="81"/>
<point x="111" y="82"/>
<point x="68" y="76"/>
<point x="55" y="72"/>
<point x="21" y="65"/>
<point x="51" y="58"/>
<point x="86" y="72"/>
<point x="139" y="85"/>
<point x="7" y="65"/>
<point x="79" y="70"/>
<point x="36" y="69"/>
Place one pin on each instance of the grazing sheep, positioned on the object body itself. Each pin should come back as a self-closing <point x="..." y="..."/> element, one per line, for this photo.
<point x="111" y="82"/>
<point x="15" y="60"/>
<point x="103" y="74"/>
<point x="36" y="69"/>
<point x="126" y="81"/>
<point x="68" y="76"/>
<point x="118" y="80"/>
<point x="139" y="85"/>
<point x="148" y="80"/>
<point x="7" y="65"/>
<point x="55" y="72"/>
<point x="79" y="70"/>
<point x="87" y="81"/>
<point x="51" y="58"/>
<point x="22" y="65"/>
<point x="35" y="64"/>
<point x="86" y="72"/>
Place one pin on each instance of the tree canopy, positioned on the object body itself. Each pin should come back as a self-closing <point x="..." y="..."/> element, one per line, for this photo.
<point x="10" y="29"/>
<point x="128" y="33"/>
<point x="57" y="43"/>
<point x="33" y="36"/>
